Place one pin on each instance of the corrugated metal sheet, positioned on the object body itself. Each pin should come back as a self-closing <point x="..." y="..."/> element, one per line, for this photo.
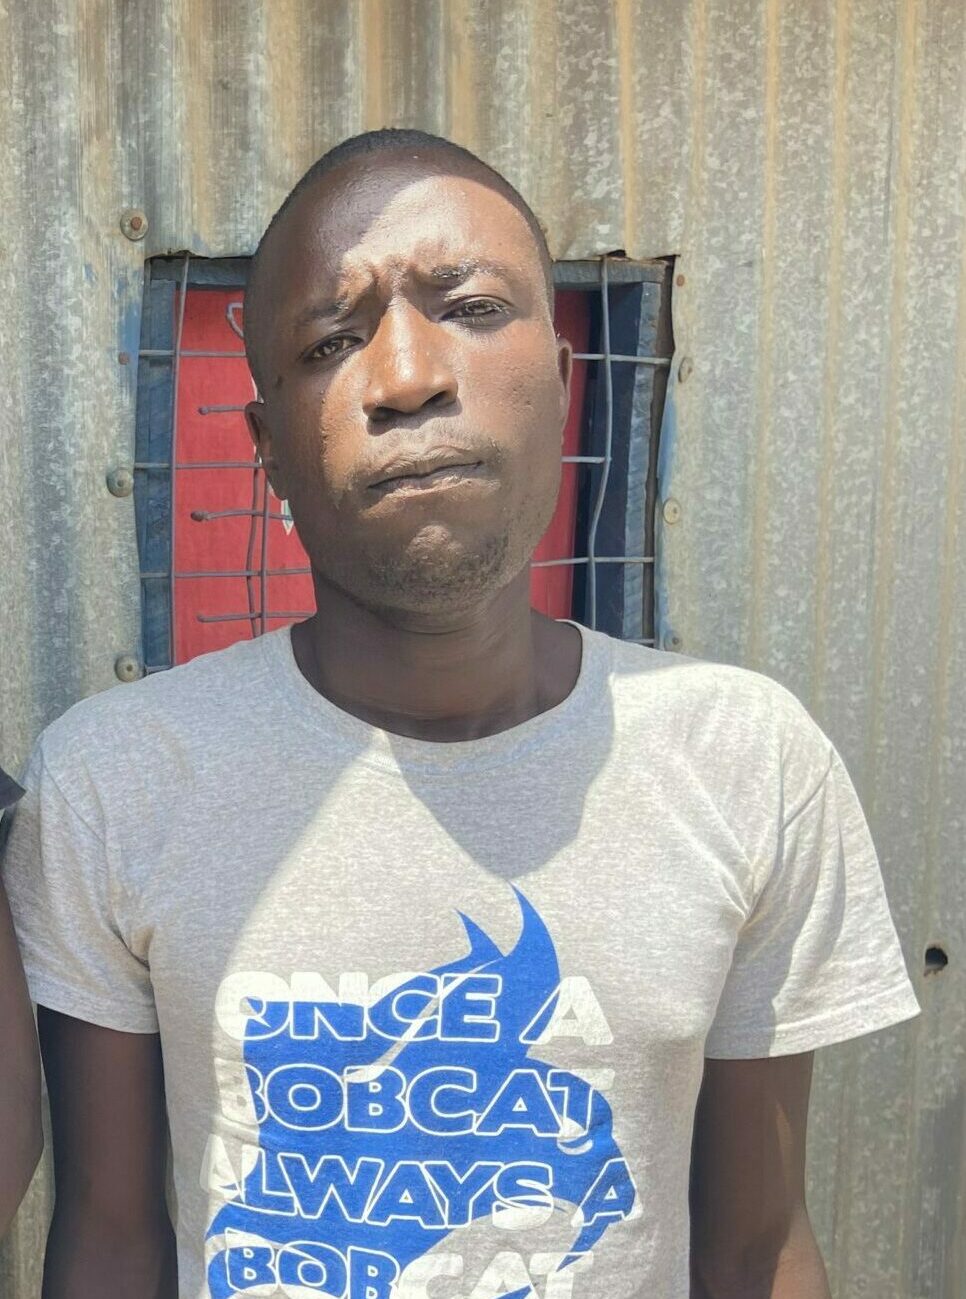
<point x="806" y="161"/>
<point x="817" y="453"/>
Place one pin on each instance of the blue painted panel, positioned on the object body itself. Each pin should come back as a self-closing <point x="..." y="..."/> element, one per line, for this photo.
<point x="152" y="486"/>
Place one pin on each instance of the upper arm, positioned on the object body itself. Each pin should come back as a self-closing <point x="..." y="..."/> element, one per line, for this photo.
<point x="108" y="1122"/>
<point x="748" y="1157"/>
<point x="21" y="1138"/>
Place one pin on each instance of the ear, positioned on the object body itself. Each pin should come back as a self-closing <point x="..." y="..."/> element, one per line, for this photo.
<point x="261" y="435"/>
<point x="565" y="369"/>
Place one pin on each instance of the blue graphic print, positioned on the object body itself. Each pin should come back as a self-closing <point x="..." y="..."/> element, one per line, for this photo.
<point x="384" y="1128"/>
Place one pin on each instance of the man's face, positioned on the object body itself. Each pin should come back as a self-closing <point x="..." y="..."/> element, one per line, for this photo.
<point x="415" y="391"/>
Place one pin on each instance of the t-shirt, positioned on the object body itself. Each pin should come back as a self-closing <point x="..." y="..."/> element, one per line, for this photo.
<point x="434" y="1015"/>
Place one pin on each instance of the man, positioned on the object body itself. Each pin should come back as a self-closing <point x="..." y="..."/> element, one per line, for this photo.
<point x="437" y="912"/>
<point x="21" y="1137"/>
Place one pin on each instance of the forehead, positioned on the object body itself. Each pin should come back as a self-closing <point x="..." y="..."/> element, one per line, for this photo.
<point x="386" y="220"/>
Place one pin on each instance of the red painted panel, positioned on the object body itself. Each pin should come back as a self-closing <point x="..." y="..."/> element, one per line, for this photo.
<point x="216" y="609"/>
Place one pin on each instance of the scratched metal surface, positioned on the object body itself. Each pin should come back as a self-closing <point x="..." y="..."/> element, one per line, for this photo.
<point x="806" y="162"/>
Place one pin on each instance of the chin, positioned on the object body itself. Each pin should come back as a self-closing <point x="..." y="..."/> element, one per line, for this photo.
<point x="437" y="575"/>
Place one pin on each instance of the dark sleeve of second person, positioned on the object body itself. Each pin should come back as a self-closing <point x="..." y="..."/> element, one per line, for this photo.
<point x="21" y="1138"/>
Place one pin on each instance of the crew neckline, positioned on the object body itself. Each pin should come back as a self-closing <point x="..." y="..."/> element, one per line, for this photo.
<point x="386" y="749"/>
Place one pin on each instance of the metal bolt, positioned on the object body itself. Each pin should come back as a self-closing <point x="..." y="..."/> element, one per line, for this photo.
<point x="672" y="641"/>
<point x="134" y="224"/>
<point x="120" y="481"/>
<point x="128" y="668"/>
<point x="124" y="358"/>
<point x="680" y="281"/>
<point x="671" y="510"/>
<point x="685" y="369"/>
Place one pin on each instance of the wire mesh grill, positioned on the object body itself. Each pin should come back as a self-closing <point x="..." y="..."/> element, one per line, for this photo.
<point x="633" y="421"/>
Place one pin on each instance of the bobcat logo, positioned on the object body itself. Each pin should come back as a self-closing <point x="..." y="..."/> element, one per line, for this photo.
<point x="384" y="1128"/>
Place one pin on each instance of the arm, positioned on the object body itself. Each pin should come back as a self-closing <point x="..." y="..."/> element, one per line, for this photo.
<point x="750" y="1233"/>
<point x="21" y="1135"/>
<point x="111" y="1236"/>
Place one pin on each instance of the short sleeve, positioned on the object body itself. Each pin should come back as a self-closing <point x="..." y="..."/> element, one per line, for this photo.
<point x="818" y="960"/>
<point x="57" y="877"/>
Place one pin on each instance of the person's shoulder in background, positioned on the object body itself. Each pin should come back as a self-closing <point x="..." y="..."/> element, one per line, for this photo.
<point x="10" y="794"/>
<point x="10" y="791"/>
<point x="21" y="1135"/>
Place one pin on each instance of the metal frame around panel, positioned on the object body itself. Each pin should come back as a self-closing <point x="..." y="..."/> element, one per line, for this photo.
<point x="186" y="272"/>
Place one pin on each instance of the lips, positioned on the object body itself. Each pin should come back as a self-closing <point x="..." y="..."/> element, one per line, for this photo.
<point x="426" y="470"/>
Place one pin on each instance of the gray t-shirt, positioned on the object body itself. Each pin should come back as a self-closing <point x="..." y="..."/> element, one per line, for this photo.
<point x="434" y="1016"/>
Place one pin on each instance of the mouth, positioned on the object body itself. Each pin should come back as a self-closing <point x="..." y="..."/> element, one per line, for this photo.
<point x="428" y="474"/>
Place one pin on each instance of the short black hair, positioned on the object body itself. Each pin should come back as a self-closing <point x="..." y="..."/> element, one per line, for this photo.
<point x="368" y="144"/>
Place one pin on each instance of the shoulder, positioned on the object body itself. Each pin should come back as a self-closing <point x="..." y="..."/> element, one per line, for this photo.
<point x="644" y="677"/>
<point x="703" y="711"/>
<point x="149" y="730"/>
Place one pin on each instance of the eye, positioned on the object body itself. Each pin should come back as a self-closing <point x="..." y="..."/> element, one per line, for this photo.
<point x="478" y="309"/>
<point x="330" y="347"/>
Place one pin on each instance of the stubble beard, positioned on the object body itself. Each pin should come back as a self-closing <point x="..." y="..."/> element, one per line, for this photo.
<point x="434" y="575"/>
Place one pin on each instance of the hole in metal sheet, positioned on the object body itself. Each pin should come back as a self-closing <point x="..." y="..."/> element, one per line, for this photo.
<point x="936" y="960"/>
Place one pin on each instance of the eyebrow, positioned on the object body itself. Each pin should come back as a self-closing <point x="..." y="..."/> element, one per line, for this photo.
<point x="331" y="310"/>
<point x="457" y="272"/>
<point x="448" y="274"/>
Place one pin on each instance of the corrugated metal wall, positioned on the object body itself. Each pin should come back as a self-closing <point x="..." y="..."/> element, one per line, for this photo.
<point x="806" y="161"/>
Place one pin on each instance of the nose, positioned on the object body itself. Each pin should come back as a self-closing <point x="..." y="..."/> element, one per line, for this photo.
<point x="409" y="368"/>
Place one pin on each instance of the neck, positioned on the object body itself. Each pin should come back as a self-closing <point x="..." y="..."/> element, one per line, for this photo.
<point x="454" y="678"/>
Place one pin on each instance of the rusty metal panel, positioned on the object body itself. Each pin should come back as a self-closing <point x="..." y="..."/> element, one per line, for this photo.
<point x="805" y="161"/>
